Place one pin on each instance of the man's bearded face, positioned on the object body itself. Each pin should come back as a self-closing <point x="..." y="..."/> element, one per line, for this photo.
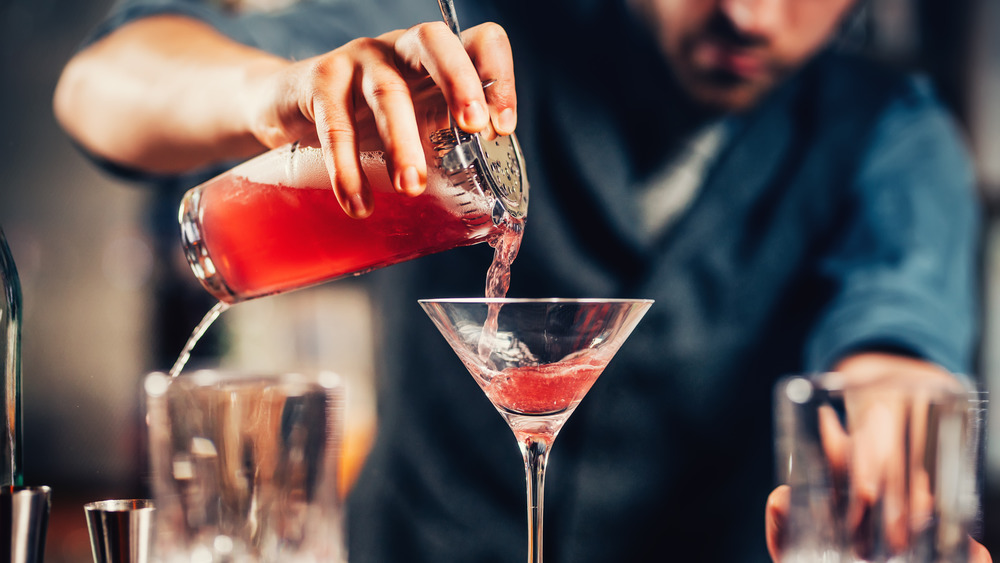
<point x="728" y="54"/>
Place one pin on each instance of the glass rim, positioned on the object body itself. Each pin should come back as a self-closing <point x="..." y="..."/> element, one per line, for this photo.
<point x="157" y="382"/>
<point x="834" y="383"/>
<point x="538" y="300"/>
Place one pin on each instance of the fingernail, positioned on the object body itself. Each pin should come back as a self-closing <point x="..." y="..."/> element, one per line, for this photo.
<point x="506" y="121"/>
<point x="358" y="206"/>
<point x="410" y="181"/>
<point x="475" y="115"/>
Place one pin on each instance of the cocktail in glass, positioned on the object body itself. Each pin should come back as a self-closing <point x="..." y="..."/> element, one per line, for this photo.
<point x="535" y="359"/>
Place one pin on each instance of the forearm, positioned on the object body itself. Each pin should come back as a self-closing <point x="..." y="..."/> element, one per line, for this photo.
<point x="164" y="94"/>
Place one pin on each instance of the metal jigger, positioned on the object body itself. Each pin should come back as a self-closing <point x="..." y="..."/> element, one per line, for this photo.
<point x="120" y="530"/>
<point x="24" y="519"/>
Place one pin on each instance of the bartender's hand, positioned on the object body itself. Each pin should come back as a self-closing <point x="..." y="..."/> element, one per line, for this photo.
<point x="367" y="88"/>
<point x="776" y="516"/>
<point x="874" y="451"/>
<point x="169" y="94"/>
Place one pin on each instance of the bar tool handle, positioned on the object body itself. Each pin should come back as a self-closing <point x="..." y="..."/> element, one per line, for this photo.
<point x="450" y="16"/>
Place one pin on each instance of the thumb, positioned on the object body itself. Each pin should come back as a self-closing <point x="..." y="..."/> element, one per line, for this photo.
<point x="775" y="516"/>
<point x="978" y="553"/>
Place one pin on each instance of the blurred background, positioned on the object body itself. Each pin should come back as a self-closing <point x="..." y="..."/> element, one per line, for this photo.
<point x="98" y="297"/>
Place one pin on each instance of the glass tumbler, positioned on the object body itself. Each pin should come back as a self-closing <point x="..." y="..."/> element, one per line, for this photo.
<point x="245" y="467"/>
<point x="880" y="470"/>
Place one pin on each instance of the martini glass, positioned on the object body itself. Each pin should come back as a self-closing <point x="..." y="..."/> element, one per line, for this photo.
<point x="535" y="359"/>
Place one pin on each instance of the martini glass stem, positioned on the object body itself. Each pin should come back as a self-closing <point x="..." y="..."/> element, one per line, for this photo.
<point x="536" y="454"/>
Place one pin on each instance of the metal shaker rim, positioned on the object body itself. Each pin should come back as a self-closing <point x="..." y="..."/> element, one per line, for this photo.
<point x="499" y="163"/>
<point x="15" y="490"/>
<point x="119" y="505"/>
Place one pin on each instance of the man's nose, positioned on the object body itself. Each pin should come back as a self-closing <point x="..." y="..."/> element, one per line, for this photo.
<point x="754" y="18"/>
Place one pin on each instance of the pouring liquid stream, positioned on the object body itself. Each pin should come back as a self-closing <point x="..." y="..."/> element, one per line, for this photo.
<point x="199" y="331"/>
<point x="505" y="248"/>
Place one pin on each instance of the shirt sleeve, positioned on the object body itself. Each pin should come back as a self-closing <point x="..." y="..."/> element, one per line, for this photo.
<point x="303" y="29"/>
<point x="904" y="268"/>
<point x="126" y="11"/>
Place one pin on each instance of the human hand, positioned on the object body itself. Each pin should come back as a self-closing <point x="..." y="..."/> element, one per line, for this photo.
<point x="865" y="441"/>
<point x="368" y="94"/>
<point x="776" y="518"/>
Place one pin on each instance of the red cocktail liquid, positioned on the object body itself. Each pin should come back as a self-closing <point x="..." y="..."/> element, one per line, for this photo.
<point x="546" y="389"/>
<point x="264" y="239"/>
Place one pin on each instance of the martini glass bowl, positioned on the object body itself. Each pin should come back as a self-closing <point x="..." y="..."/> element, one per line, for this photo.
<point x="535" y="359"/>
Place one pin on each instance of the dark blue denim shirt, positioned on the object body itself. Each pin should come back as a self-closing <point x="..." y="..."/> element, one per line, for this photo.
<point x="839" y="217"/>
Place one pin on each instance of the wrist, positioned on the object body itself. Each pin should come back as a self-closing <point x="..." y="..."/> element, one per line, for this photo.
<point x="267" y="102"/>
